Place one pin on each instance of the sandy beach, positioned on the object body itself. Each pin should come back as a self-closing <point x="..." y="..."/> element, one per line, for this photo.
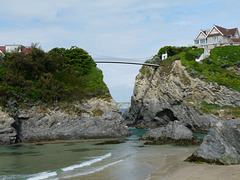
<point x="84" y="160"/>
<point x="176" y="169"/>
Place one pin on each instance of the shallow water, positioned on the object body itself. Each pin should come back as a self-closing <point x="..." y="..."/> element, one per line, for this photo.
<point x="84" y="160"/>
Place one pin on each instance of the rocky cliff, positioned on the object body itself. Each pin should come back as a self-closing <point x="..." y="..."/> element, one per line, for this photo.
<point x="171" y="93"/>
<point x="94" y="118"/>
<point x="7" y="132"/>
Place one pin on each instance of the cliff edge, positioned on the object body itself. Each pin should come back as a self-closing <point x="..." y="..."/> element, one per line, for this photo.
<point x="171" y="93"/>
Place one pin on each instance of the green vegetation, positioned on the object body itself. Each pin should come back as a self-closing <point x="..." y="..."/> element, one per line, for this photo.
<point x="178" y="142"/>
<point x="215" y="68"/>
<point x="97" y="112"/>
<point x="218" y="67"/>
<point x="172" y="51"/>
<point x="198" y="162"/>
<point x="146" y="71"/>
<point x="176" y="53"/>
<point x="220" y="111"/>
<point x="61" y="75"/>
<point x="184" y="79"/>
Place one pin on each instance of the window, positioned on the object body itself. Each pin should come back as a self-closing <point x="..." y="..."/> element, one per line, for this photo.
<point x="196" y="41"/>
<point x="215" y="39"/>
<point x="202" y="41"/>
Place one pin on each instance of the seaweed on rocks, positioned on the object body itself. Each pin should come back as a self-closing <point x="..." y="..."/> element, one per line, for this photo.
<point x="178" y="142"/>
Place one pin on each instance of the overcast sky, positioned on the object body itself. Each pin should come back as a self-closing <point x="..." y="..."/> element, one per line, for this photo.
<point x="134" y="29"/>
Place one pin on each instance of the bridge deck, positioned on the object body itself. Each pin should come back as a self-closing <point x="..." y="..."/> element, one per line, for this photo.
<point x="124" y="62"/>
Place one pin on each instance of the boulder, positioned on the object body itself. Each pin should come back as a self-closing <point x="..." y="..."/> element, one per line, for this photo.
<point x="174" y="130"/>
<point x="221" y="145"/>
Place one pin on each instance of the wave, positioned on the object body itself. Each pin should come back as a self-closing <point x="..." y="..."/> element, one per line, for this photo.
<point x="93" y="171"/>
<point x="42" y="175"/>
<point x="38" y="176"/>
<point x="53" y="174"/>
<point x="86" y="163"/>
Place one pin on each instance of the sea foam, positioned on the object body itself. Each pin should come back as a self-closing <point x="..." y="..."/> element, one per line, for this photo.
<point x="37" y="176"/>
<point x="87" y="163"/>
<point x="93" y="171"/>
<point x="42" y="175"/>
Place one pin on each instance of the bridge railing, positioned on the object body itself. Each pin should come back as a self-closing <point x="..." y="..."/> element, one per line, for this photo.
<point x="125" y="62"/>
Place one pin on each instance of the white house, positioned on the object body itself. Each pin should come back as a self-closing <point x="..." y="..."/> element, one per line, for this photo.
<point x="15" y="48"/>
<point x="217" y="36"/>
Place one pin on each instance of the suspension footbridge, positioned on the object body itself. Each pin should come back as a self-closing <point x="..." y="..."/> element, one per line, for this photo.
<point x="115" y="60"/>
<point x="127" y="62"/>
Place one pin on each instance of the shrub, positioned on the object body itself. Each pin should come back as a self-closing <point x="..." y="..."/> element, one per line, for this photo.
<point x="215" y="67"/>
<point x="58" y="76"/>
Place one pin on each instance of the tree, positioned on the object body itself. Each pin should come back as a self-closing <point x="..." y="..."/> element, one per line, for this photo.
<point x="171" y="51"/>
<point x="80" y="60"/>
<point x="57" y="51"/>
<point x="59" y="75"/>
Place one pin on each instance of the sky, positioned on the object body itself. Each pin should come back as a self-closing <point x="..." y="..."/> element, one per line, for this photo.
<point x="128" y="29"/>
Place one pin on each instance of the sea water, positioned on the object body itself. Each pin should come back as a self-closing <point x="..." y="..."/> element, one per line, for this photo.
<point x="84" y="159"/>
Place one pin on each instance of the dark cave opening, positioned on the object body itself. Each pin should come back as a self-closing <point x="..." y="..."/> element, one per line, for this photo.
<point x="18" y="126"/>
<point x="164" y="117"/>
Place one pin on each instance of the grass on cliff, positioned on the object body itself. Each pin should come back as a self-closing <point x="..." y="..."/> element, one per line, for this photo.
<point x="218" y="66"/>
<point x="61" y="75"/>
<point x="220" y="111"/>
<point x="222" y="66"/>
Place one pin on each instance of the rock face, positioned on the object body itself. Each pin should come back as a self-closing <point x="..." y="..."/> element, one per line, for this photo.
<point x="221" y="145"/>
<point x="7" y="132"/>
<point x="174" y="130"/>
<point x="95" y="118"/>
<point x="170" y="93"/>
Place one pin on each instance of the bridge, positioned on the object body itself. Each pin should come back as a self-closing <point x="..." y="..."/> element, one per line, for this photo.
<point x="125" y="62"/>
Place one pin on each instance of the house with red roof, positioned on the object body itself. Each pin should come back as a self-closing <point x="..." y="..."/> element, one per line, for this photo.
<point x="14" y="48"/>
<point x="217" y="36"/>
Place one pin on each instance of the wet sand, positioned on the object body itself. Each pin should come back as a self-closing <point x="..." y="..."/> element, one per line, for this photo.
<point x="176" y="169"/>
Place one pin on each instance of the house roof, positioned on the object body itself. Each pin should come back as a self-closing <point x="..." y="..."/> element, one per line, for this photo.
<point x="201" y="32"/>
<point x="26" y="50"/>
<point x="235" y="40"/>
<point x="204" y="31"/>
<point x="3" y="48"/>
<point x="221" y="31"/>
<point x="215" y="34"/>
<point x="227" y="32"/>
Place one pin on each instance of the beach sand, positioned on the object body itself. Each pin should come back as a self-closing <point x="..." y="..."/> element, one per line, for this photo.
<point x="176" y="169"/>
